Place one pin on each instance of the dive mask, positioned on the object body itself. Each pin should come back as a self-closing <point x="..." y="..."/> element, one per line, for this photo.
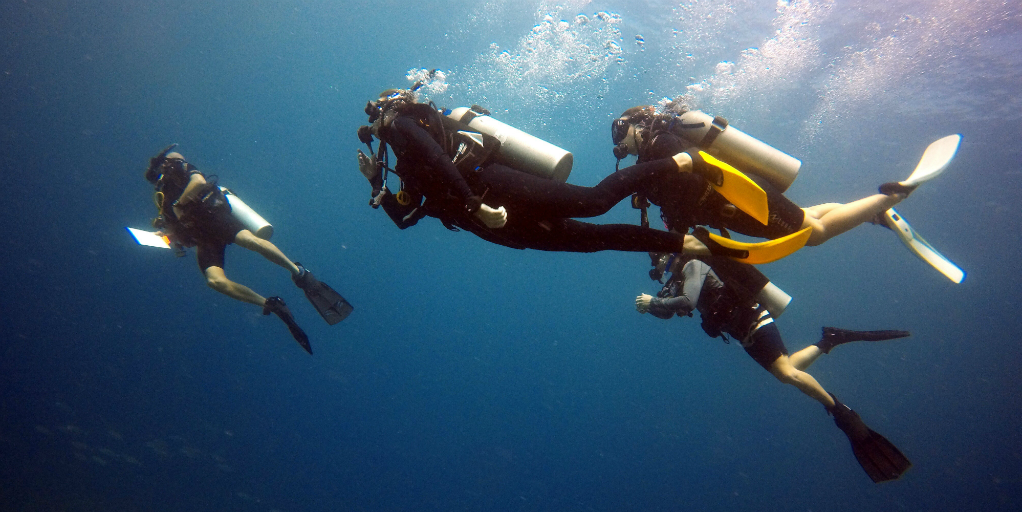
<point x="620" y="128"/>
<point x="153" y="173"/>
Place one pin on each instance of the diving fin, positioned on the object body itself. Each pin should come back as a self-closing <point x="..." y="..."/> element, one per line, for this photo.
<point x="735" y="186"/>
<point x="754" y="253"/>
<point x="329" y="303"/>
<point x="934" y="160"/>
<point x="277" y="306"/>
<point x="832" y="336"/>
<point x="881" y="460"/>
<point x="917" y="245"/>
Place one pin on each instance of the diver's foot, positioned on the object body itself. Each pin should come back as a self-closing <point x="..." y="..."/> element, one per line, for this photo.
<point x="273" y="305"/>
<point x="879" y="220"/>
<point x="304" y="279"/>
<point x="895" y="187"/>
<point x="832" y="336"/>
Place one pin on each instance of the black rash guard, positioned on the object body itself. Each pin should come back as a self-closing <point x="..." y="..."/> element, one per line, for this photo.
<point x="540" y="211"/>
<point x="210" y="230"/>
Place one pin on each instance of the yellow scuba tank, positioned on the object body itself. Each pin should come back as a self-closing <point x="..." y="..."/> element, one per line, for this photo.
<point x="728" y="143"/>
<point x="519" y="150"/>
<point x="247" y="216"/>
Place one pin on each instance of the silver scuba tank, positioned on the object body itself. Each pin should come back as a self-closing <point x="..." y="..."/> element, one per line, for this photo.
<point x="773" y="299"/>
<point x="247" y="216"/>
<point x="519" y="150"/>
<point x="734" y="147"/>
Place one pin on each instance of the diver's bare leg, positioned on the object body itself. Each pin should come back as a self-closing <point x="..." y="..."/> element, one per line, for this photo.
<point x="216" y="279"/>
<point x="819" y="210"/>
<point x="783" y="370"/>
<point x="804" y="357"/>
<point x="842" y="218"/>
<point x="246" y="239"/>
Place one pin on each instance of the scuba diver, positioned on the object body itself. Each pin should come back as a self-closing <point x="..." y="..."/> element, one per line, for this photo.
<point x="686" y="202"/>
<point x="195" y="212"/>
<point x="725" y="298"/>
<point x="464" y="177"/>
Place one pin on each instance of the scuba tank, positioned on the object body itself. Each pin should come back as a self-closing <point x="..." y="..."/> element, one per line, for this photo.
<point x="247" y="216"/>
<point x="773" y="299"/>
<point x="519" y="150"/>
<point x="737" y="148"/>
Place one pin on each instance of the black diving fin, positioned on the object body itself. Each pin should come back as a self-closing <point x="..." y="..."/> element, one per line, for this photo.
<point x="277" y="306"/>
<point x="881" y="460"/>
<point x="329" y="303"/>
<point x="832" y="336"/>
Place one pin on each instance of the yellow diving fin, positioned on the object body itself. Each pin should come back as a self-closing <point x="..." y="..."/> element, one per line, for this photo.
<point x="755" y="253"/>
<point x="734" y="186"/>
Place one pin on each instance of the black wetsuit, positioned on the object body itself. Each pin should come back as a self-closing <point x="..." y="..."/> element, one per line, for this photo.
<point x="722" y="310"/>
<point x="540" y="211"/>
<point x="206" y="221"/>
<point x="687" y="200"/>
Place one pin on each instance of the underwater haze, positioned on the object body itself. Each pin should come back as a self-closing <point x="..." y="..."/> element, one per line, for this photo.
<point x="472" y="376"/>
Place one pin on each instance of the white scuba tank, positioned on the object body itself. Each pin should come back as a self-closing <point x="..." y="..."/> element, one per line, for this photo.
<point x="519" y="150"/>
<point x="247" y="216"/>
<point x="739" y="149"/>
<point x="773" y="299"/>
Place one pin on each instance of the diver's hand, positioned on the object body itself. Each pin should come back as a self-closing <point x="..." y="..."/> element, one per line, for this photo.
<point x="692" y="161"/>
<point x="492" y="218"/>
<point x="643" y="303"/>
<point x="368" y="166"/>
<point x="684" y="161"/>
<point x="694" y="247"/>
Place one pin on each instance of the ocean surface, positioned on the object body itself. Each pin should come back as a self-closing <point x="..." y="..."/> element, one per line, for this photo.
<point x="473" y="376"/>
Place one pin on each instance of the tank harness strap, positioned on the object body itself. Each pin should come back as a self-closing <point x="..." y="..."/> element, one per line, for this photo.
<point x="468" y="117"/>
<point x="717" y="127"/>
<point x="382" y="161"/>
<point x="640" y="202"/>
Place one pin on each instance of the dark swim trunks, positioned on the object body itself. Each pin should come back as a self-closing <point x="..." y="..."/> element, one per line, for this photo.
<point x="214" y="232"/>
<point x="766" y="346"/>
<point x="784" y="216"/>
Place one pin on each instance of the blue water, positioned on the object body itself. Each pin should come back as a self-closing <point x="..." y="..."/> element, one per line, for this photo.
<point x="471" y="376"/>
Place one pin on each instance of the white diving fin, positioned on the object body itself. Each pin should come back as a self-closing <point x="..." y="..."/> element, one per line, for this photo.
<point x="934" y="160"/>
<point x="920" y="247"/>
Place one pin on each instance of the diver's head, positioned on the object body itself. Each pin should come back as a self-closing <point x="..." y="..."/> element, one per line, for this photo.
<point x="157" y="163"/>
<point x="388" y="101"/>
<point x="667" y="263"/>
<point x="629" y="130"/>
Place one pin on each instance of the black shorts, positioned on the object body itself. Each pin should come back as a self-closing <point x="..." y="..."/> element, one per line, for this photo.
<point x="214" y="232"/>
<point x="766" y="346"/>
<point x="784" y="216"/>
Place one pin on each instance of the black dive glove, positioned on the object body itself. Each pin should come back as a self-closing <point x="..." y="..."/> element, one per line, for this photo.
<point x="717" y="249"/>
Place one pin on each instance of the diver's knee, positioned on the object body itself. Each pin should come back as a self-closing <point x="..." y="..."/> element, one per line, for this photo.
<point x="785" y="373"/>
<point x="217" y="281"/>
<point x="818" y="234"/>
